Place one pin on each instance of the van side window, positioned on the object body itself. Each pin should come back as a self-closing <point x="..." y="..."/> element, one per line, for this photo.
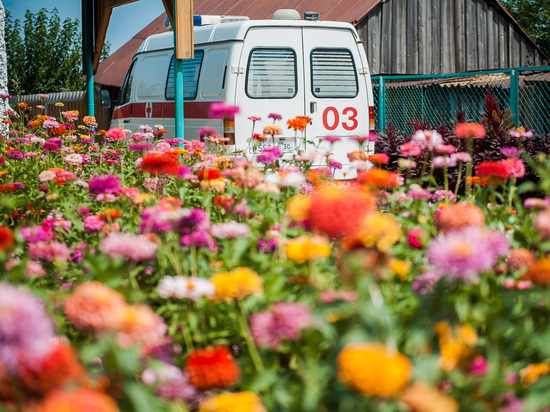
<point x="126" y="90"/>
<point x="271" y="74"/>
<point x="191" y="71"/>
<point x="333" y="73"/>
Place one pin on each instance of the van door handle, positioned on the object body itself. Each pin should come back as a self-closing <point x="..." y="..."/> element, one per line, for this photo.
<point x="313" y="107"/>
<point x="126" y="121"/>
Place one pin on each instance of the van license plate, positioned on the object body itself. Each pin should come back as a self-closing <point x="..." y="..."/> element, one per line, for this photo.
<point x="286" y="147"/>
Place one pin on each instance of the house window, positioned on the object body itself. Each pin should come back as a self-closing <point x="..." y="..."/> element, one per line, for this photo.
<point x="191" y="70"/>
<point x="271" y="74"/>
<point x="333" y="73"/>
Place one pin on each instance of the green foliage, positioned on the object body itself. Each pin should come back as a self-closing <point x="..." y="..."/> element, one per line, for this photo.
<point x="44" y="54"/>
<point x="534" y="17"/>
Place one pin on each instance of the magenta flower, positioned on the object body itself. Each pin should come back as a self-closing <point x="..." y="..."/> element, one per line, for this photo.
<point x="410" y="149"/>
<point x="270" y="154"/>
<point x="140" y="147"/>
<point x="26" y="329"/>
<point x="331" y="139"/>
<point x="464" y="254"/>
<point x="284" y="321"/>
<point x="274" y="116"/>
<point x="33" y="234"/>
<point x="198" y="239"/>
<point x="222" y="110"/>
<point x="104" y="184"/>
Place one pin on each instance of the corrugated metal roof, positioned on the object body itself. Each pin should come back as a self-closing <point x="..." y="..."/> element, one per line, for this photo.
<point x="112" y="70"/>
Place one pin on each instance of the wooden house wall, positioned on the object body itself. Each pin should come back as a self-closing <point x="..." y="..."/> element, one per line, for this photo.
<point x="443" y="36"/>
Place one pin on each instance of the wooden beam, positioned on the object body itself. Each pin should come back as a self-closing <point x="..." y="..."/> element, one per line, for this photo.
<point x="168" y="7"/>
<point x="184" y="29"/>
<point x="116" y="3"/>
<point x="103" y="16"/>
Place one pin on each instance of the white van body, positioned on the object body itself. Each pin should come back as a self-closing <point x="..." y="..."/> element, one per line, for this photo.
<point x="288" y="67"/>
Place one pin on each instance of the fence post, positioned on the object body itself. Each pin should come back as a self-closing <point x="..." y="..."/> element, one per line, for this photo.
<point x="514" y="95"/>
<point x="381" y="103"/>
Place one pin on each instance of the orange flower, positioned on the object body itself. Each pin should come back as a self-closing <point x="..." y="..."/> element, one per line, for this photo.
<point x="379" y="158"/>
<point x="212" y="368"/>
<point x="59" y="131"/>
<point x="78" y="401"/>
<point x="22" y="105"/>
<point x="338" y="211"/>
<point x="94" y="306"/>
<point x="358" y="155"/>
<point x="298" y="123"/>
<point x="458" y="216"/>
<point x="110" y="214"/>
<point x="77" y="148"/>
<point x="139" y="325"/>
<point x="539" y="272"/>
<point x="379" y="178"/>
<point x="56" y="369"/>
<point x="421" y="397"/>
<point x="474" y="130"/>
<point x="209" y="174"/>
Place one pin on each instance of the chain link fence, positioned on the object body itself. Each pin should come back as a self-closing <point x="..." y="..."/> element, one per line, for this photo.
<point x="437" y="98"/>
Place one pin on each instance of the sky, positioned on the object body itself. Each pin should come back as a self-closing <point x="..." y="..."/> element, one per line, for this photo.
<point x="125" y="21"/>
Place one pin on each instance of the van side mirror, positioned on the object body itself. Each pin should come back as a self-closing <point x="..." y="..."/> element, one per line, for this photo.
<point x="106" y="99"/>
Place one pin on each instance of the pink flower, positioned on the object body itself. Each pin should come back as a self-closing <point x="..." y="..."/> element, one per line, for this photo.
<point x="274" y="116"/>
<point x="128" y="246"/>
<point x="33" y="234"/>
<point x="516" y="168"/>
<point x="116" y="133"/>
<point x="417" y="237"/>
<point x="474" y="130"/>
<point x="331" y="139"/>
<point x="427" y="139"/>
<point x="230" y="230"/>
<point x="222" y="110"/>
<point x="462" y="157"/>
<point x="542" y="223"/>
<point x="49" y="251"/>
<point x="284" y="321"/>
<point x="410" y="149"/>
<point x="536" y="203"/>
<point x="464" y="254"/>
<point x="93" y="224"/>
<point x="329" y="296"/>
<point x="446" y="149"/>
<point x="479" y="366"/>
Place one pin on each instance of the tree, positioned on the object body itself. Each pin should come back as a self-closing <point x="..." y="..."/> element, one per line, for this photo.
<point x="534" y="17"/>
<point x="44" y="54"/>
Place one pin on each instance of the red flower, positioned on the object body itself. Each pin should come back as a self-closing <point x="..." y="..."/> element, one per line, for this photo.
<point x="159" y="164"/>
<point x="494" y="171"/>
<point x="379" y="158"/>
<point x="212" y="368"/>
<point x="6" y="238"/>
<point x="210" y="174"/>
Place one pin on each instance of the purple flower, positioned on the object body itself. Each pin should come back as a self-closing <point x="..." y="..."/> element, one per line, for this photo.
<point x="33" y="234"/>
<point x="267" y="246"/>
<point x="140" y="147"/>
<point x="25" y="327"/>
<point x="196" y="220"/>
<point x="426" y="282"/>
<point x="464" y="254"/>
<point x="222" y="110"/>
<point x="284" y="321"/>
<point x="199" y="239"/>
<point x="270" y="154"/>
<point x="104" y="184"/>
<point x="53" y="144"/>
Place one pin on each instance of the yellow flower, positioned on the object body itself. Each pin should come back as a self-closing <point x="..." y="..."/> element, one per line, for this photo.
<point x="59" y="104"/>
<point x="89" y="120"/>
<point x="379" y="230"/>
<point x="455" y="350"/>
<point x="237" y="284"/>
<point x="400" y="268"/>
<point x="373" y="370"/>
<point x="532" y="372"/>
<point x="3" y="172"/>
<point x="77" y="148"/>
<point x="298" y="207"/>
<point x="305" y="248"/>
<point x="233" y="402"/>
<point x="143" y="198"/>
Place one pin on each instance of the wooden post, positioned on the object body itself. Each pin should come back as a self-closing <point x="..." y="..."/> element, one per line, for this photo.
<point x="183" y="49"/>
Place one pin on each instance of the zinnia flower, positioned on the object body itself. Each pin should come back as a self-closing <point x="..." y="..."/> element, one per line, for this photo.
<point x="181" y="287"/>
<point x="458" y="216"/>
<point x="379" y="230"/>
<point x="161" y="163"/>
<point x="305" y="248"/>
<point x="283" y="321"/>
<point x="373" y="370"/>
<point x="80" y="400"/>
<point x="129" y="246"/>
<point x="466" y="253"/>
<point x="422" y="397"/>
<point x="212" y="368"/>
<point x="495" y="171"/>
<point x="233" y="402"/>
<point x="532" y="372"/>
<point x="347" y="206"/>
<point x="230" y="230"/>
<point x="237" y="284"/>
<point x="221" y="110"/>
<point x="116" y="133"/>
<point x="474" y="130"/>
<point x="139" y="325"/>
<point x="6" y="238"/>
<point x="25" y="327"/>
<point x="94" y="306"/>
<point x="377" y="178"/>
<point x="270" y="154"/>
<point x="427" y="139"/>
<point x="104" y="184"/>
<point x="539" y="272"/>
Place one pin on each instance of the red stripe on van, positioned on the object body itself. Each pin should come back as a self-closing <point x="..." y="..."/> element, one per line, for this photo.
<point x="193" y="110"/>
<point x="122" y="112"/>
<point x="163" y="110"/>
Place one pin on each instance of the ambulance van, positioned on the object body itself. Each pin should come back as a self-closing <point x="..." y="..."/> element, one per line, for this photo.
<point x="285" y="66"/>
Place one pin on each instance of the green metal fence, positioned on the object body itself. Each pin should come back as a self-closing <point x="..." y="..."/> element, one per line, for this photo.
<point x="436" y="98"/>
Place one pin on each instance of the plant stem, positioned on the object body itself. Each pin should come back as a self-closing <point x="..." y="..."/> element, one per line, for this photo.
<point x="458" y="177"/>
<point x="253" y="350"/>
<point x="469" y="149"/>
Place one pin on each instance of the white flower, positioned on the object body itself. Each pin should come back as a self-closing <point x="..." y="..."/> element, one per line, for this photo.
<point x="292" y="179"/>
<point x="180" y="287"/>
<point x="73" y="159"/>
<point x="230" y="230"/>
<point x="427" y="139"/>
<point x="46" y="176"/>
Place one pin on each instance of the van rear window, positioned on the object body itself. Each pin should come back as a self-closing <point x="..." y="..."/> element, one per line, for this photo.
<point x="191" y="70"/>
<point x="271" y="74"/>
<point x="333" y="73"/>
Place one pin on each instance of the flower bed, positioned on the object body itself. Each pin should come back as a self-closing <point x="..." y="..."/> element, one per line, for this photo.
<point x="151" y="274"/>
